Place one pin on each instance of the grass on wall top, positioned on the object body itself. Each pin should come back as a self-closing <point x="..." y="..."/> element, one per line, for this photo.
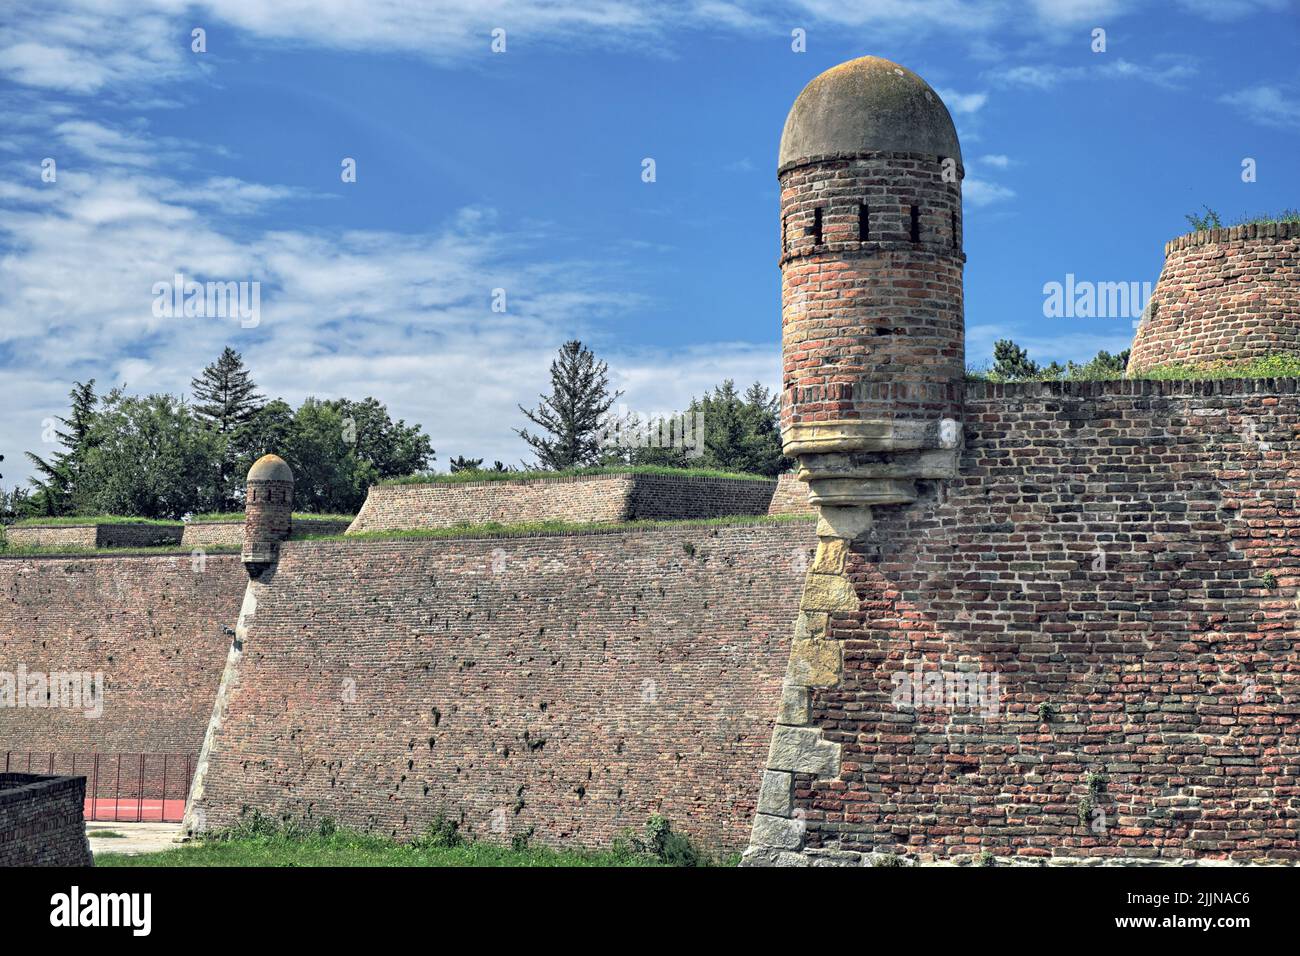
<point x="74" y="521"/>
<point x="433" y="478"/>
<point x="494" y="529"/>
<point x="239" y="516"/>
<point x="1280" y="365"/>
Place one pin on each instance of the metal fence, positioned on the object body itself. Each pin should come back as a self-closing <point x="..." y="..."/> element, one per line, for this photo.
<point x="120" y="788"/>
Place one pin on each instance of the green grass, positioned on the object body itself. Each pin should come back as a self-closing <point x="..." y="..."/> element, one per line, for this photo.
<point x="1286" y="215"/>
<point x="8" y="550"/>
<point x="259" y="841"/>
<point x="432" y="478"/>
<point x="73" y="521"/>
<point x="497" y="530"/>
<point x="349" y="849"/>
<point x="1272" y="366"/>
<point x="239" y="516"/>
<point x="106" y="834"/>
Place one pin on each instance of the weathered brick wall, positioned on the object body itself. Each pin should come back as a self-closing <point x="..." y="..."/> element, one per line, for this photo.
<point x="583" y="498"/>
<point x="1228" y="295"/>
<point x="150" y="623"/>
<point x="89" y="537"/>
<point x="35" y="536"/>
<point x="41" y="822"/>
<point x="566" y="684"/>
<point x="872" y="319"/>
<point x="790" y="497"/>
<point x="668" y="497"/>
<point x="211" y="534"/>
<point x="1123" y="557"/>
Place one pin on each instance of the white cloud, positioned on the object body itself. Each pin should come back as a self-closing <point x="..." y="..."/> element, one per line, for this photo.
<point x="1169" y="72"/>
<point x="996" y="160"/>
<point x="403" y="317"/>
<point x="1267" y="105"/>
<point x="85" y="46"/>
<point x="963" y="104"/>
<point x="981" y="192"/>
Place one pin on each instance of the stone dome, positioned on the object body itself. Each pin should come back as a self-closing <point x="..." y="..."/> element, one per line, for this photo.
<point x="865" y="105"/>
<point x="270" y="468"/>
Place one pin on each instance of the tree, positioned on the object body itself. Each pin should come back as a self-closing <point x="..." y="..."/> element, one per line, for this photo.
<point x="1011" y="362"/>
<point x="461" y="463"/>
<point x="60" y="489"/>
<point x="225" y="396"/>
<point x="573" y="414"/>
<point x="148" y="456"/>
<point x="226" y="401"/>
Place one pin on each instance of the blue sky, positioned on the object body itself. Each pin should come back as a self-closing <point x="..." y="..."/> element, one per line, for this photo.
<point x="522" y="170"/>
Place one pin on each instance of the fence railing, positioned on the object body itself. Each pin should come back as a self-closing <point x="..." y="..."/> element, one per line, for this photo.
<point x="120" y="788"/>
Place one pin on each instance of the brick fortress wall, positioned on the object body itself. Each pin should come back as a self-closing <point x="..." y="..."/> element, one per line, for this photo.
<point x="582" y="498"/>
<point x="153" y="625"/>
<point x="1229" y="295"/>
<point x="212" y="534"/>
<point x="90" y="537"/>
<point x="790" y="497"/>
<point x="41" y="821"/>
<point x="1122" y="557"/>
<point x="564" y="685"/>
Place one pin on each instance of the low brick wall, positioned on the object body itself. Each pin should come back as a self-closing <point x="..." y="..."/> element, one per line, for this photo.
<point x="790" y="497"/>
<point x="214" y="534"/>
<point x="91" y="536"/>
<point x="583" y="498"/>
<point x="42" y="821"/>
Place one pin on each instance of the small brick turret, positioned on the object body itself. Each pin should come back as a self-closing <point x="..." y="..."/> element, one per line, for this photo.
<point x="268" y="511"/>
<point x="871" y="267"/>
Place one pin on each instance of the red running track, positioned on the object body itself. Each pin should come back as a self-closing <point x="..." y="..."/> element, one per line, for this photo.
<point x="134" y="810"/>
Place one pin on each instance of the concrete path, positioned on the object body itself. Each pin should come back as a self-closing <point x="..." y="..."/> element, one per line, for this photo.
<point x="135" y="838"/>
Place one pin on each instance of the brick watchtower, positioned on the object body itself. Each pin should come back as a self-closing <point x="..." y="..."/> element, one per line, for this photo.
<point x="871" y="268"/>
<point x="268" y="512"/>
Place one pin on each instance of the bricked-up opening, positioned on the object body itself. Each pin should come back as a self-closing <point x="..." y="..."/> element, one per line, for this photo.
<point x="916" y="224"/>
<point x="956" y="241"/>
<point x="864" y="223"/>
<point x="785" y="242"/>
<point x="816" y="230"/>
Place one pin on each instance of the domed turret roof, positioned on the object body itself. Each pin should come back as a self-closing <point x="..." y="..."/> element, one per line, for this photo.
<point x="865" y="105"/>
<point x="270" y="468"/>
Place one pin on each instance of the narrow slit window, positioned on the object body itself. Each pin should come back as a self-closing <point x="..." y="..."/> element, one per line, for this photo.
<point x="864" y="223"/>
<point x="956" y="239"/>
<point x="916" y="224"/>
<point x="816" y="230"/>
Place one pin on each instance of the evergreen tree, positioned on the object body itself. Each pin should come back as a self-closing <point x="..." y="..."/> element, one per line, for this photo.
<point x="60" y="489"/>
<point x="573" y="414"/>
<point x="461" y="463"/>
<point x="226" y="402"/>
<point x="1011" y="362"/>
<point x="225" y="396"/>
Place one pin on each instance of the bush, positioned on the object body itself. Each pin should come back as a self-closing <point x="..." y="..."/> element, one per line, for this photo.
<point x="443" y="833"/>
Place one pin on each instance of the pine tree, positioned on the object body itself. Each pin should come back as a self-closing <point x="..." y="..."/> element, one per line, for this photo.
<point x="461" y="463"/>
<point x="1011" y="362"/>
<point x="226" y="402"/>
<point x="573" y="414"/>
<point x="58" y="489"/>
<point x="225" y="396"/>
